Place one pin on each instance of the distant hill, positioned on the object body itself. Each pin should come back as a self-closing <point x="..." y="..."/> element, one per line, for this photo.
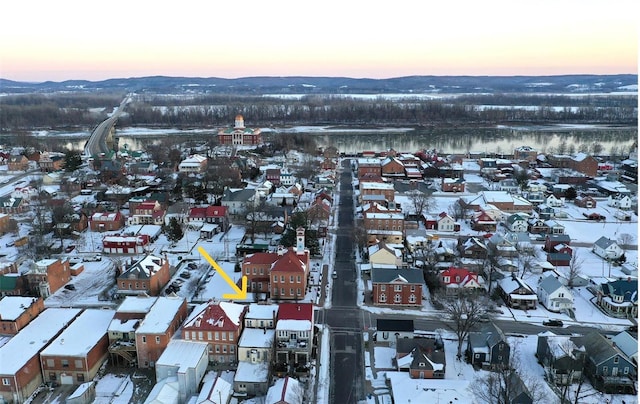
<point x="340" y="85"/>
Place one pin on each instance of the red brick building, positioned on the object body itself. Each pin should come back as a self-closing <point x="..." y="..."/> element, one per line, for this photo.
<point x="289" y="273"/>
<point x="257" y="268"/>
<point x="397" y="287"/>
<point x="220" y="325"/>
<point x="370" y="166"/>
<point x="125" y="244"/>
<point x="211" y="214"/>
<point x="47" y="276"/>
<point x="17" y="311"/>
<point x="377" y="188"/>
<point x="107" y="221"/>
<point x="77" y="354"/>
<point x="392" y="167"/>
<point x="158" y="327"/>
<point x="149" y="275"/>
<point x="239" y="134"/>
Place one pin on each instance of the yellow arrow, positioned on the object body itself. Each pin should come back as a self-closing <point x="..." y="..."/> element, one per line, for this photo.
<point x="241" y="293"/>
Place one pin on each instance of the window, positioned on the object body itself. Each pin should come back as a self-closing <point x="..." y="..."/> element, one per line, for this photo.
<point x="626" y="370"/>
<point x="137" y="285"/>
<point x="78" y="364"/>
<point x="144" y="339"/>
<point x="200" y="335"/>
<point x="291" y="292"/>
<point x="275" y="279"/>
<point x="255" y="271"/>
<point x="282" y="291"/>
<point x="397" y="298"/>
<point x="616" y="360"/>
<point x="477" y="356"/>
<point x="397" y="288"/>
<point x="209" y="336"/>
<point x="383" y="297"/>
<point x="413" y="288"/>
<point x="282" y="280"/>
<point x="65" y="363"/>
<point x="5" y="381"/>
<point x="291" y="279"/>
<point x="216" y="335"/>
<point x="412" y="298"/>
<point x="604" y="370"/>
<point x="80" y="377"/>
<point x="230" y="335"/>
<point x="224" y="349"/>
<point x="247" y="271"/>
<point x="383" y="288"/>
<point x="299" y="279"/>
<point x="224" y="335"/>
<point x="217" y="348"/>
<point x="50" y="363"/>
<point x="446" y="279"/>
<point x="232" y="348"/>
<point x="157" y="339"/>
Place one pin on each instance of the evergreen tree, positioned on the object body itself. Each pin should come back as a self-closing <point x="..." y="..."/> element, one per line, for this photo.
<point x="72" y="160"/>
<point x="174" y="230"/>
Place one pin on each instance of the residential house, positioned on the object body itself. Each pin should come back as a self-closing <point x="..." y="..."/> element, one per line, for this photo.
<point x="381" y="253"/>
<point x="620" y="201"/>
<point x="518" y="391"/>
<point x="261" y="316"/>
<point x="77" y="354"/>
<point x="554" y="201"/>
<point x="561" y="356"/>
<point x="147" y="212"/>
<point x="219" y="324"/>
<point x="552" y="240"/>
<point x="392" y="330"/>
<point x="554" y="227"/>
<point x="459" y="280"/>
<point x="525" y="153"/>
<point x="257" y="268"/>
<point x="122" y="329"/>
<point x="607" y="249"/>
<point x="585" y="201"/>
<point x="517" y="223"/>
<point x="472" y="247"/>
<point x="9" y="204"/>
<point x="50" y="162"/>
<point x="384" y="226"/>
<point x="107" y="221"/>
<point x="585" y="164"/>
<point x="238" y="200"/>
<point x="210" y="214"/>
<point x="536" y="225"/>
<point x="452" y="185"/>
<point x="607" y="367"/>
<point x="252" y="379"/>
<point x="502" y="246"/>
<point x="285" y="391"/>
<point x="559" y="259"/>
<point x="20" y="369"/>
<point x="18" y="163"/>
<point x="488" y="348"/>
<point x="628" y="344"/>
<point x="516" y="293"/>
<point x="482" y="221"/>
<point x="147" y="276"/>
<point x="294" y="337"/>
<point x="215" y="389"/>
<point x="554" y="295"/>
<point x="17" y="311"/>
<point x="158" y="327"/>
<point x="377" y="188"/>
<point x="184" y="363"/>
<point x="290" y="272"/>
<point x="392" y="167"/>
<point x="47" y="276"/>
<point x="368" y="166"/>
<point x="619" y="298"/>
<point x="193" y="164"/>
<point x="256" y="345"/>
<point x="397" y="287"/>
<point x="423" y="358"/>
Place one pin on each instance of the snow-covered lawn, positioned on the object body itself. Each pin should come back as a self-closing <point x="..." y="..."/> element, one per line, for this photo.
<point x="384" y="357"/>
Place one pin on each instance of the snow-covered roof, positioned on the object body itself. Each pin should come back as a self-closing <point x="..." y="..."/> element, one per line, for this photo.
<point x="257" y="338"/>
<point x="162" y="313"/>
<point x="252" y="372"/>
<point x="136" y="304"/>
<point x="293" y="325"/>
<point x="214" y="389"/>
<point x="285" y="390"/>
<point x="262" y="311"/>
<point x="183" y="354"/>
<point x="11" y="307"/>
<point x="32" y="338"/>
<point x="82" y="335"/>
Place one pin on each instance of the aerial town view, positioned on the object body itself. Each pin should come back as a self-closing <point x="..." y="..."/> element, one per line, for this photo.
<point x="433" y="231"/>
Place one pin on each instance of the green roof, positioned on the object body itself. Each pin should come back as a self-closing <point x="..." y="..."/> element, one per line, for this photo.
<point x="8" y="282"/>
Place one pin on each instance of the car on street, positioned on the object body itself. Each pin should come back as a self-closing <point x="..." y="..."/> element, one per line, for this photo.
<point x="185" y="275"/>
<point x="70" y="286"/>
<point x="334" y="275"/>
<point x="69" y="248"/>
<point x="553" y="323"/>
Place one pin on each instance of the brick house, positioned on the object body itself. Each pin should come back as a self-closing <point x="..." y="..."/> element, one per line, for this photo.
<point x="18" y="163"/>
<point x="369" y="166"/>
<point x="20" y="369"/>
<point x="397" y="287"/>
<point x="17" y="311"/>
<point x="392" y="167"/>
<point x="107" y="221"/>
<point x="452" y="184"/>
<point x="158" y="327"/>
<point x="148" y="212"/>
<point x="289" y="274"/>
<point x="273" y="175"/>
<point x="482" y="221"/>
<point x="149" y="275"/>
<point x="9" y="204"/>
<point x="210" y="214"/>
<point x="219" y="324"/>
<point x="239" y="134"/>
<point x="77" y="354"/>
<point x="47" y="276"/>
<point x="457" y="280"/>
<point x="385" y="226"/>
<point x="377" y="188"/>
<point x="50" y="163"/>
<point x="585" y="201"/>
<point x="257" y="268"/>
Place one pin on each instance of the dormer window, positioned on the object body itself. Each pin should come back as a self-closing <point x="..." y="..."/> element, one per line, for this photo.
<point x="422" y="364"/>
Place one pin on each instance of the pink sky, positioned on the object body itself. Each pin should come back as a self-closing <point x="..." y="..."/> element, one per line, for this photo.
<point x="69" y="39"/>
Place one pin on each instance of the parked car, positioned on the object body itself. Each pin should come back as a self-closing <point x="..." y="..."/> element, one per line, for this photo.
<point x="69" y="248"/>
<point x="192" y="265"/>
<point x="334" y="275"/>
<point x="70" y="286"/>
<point x="553" y="323"/>
<point x="185" y="275"/>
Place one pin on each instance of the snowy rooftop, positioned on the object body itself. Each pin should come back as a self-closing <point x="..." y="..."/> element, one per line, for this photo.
<point x="406" y="390"/>
<point x="294" y="325"/>
<point x="136" y="304"/>
<point x="22" y="347"/>
<point x="183" y="354"/>
<point x="214" y="388"/>
<point x="11" y="307"/>
<point x="256" y="338"/>
<point x="82" y="334"/>
<point x="160" y="316"/>
<point x="252" y="372"/>
<point x="286" y="390"/>
<point x="262" y="311"/>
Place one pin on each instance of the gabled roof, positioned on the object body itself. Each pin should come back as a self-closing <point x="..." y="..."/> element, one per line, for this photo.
<point x="599" y="348"/>
<point x="604" y="242"/>
<point x="550" y="284"/>
<point x="144" y="269"/>
<point x="295" y="311"/>
<point x="386" y="275"/>
<point x="627" y="288"/>
<point x="221" y="316"/>
<point x="289" y="262"/>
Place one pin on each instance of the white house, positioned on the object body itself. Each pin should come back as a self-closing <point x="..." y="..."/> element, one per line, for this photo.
<point x="554" y="202"/>
<point x="256" y="345"/>
<point x="381" y="253"/>
<point x="237" y="200"/>
<point x="517" y="223"/>
<point x="445" y="222"/>
<point x="620" y="201"/>
<point x="193" y="164"/>
<point x="607" y="248"/>
<point x="554" y="295"/>
<point x="185" y="360"/>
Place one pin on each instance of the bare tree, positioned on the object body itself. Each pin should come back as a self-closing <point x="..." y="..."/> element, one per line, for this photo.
<point x="575" y="269"/>
<point x="465" y="312"/>
<point x="456" y="211"/>
<point x="506" y="384"/>
<point x="421" y="203"/>
<point x="527" y="258"/>
<point x="625" y="240"/>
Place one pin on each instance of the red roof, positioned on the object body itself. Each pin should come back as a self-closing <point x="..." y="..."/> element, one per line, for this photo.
<point x="295" y="311"/>
<point x="198" y="212"/>
<point x="213" y="318"/>
<point x="452" y="272"/>
<point x="289" y="262"/>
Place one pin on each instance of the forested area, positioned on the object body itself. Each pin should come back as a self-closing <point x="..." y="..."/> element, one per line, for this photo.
<point x="83" y="110"/>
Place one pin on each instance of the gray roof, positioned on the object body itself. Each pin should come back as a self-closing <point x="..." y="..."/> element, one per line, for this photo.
<point x="386" y="275"/>
<point x="604" y="242"/>
<point x="242" y="195"/>
<point x="489" y="336"/>
<point x="599" y="348"/>
<point x="550" y="284"/>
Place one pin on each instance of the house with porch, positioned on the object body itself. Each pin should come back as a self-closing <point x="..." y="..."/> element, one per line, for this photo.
<point x="459" y="280"/>
<point x="619" y="298"/>
<point x="294" y="338"/>
<point x="607" y="367"/>
<point x="554" y="295"/>
<point x="607" y="249"/>
<point x="488" y="348"/>
<point x="561" y="356"/>
<point x="423" y="358"/>
<point x="516" y="293"/>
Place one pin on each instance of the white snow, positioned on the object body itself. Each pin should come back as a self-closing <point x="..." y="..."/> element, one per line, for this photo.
<point x="82" y="335"/>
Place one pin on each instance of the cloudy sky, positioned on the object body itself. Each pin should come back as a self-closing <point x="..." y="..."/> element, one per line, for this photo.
<point x="94" y="40"/>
